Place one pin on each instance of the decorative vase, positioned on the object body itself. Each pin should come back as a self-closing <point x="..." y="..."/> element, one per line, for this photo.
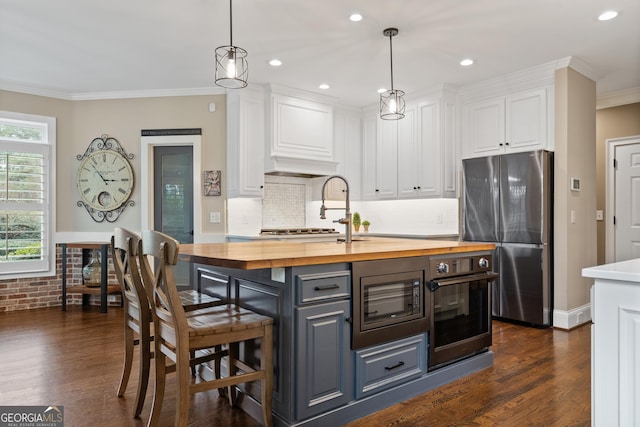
<point x="91" y="273"/>
<point x="356" y="227"/>
<point x="366" y="228"/>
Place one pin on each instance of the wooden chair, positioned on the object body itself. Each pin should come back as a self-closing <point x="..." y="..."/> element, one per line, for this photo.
<point x="137" y="312"/>
<point x="138" y="319"/>
<point x="179" y="334"/>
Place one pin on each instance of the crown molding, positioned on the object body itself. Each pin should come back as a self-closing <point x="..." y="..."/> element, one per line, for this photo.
<point x="580" y="66"/>
<point x="32" y="90"/>
<point x="153" y="93"/>
<point x="617" y="98"/>
<point x="540" y="75"/>
<point x="85" y="96"/>
<point x="276" y="89"/>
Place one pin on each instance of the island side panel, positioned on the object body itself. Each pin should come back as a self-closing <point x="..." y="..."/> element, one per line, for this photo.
<point x="255" y="290"/>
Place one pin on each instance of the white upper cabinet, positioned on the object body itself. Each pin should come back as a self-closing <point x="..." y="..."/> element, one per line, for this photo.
<point x="369" y="155"/>
<point x="347" y="146"/>
<point x="526" y="120"/>
<point x="300" y="129"/>
<point x="379" y="157"/>
<point x="409" y="151"/>
<point x="485" y="127"/>
<point x="413" y="157"/>
<point x="245" y="143"/>
<point x="387" y="159"/>
<point x="510" y="113"/>
<point x="419" y="152"/>
<point x="512" y="123"/>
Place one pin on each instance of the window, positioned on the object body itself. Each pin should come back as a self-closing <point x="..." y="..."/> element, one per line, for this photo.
<point x="27" y="195"/>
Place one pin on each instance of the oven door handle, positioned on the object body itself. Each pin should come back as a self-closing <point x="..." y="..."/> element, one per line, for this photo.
<point x="435" y="284"/>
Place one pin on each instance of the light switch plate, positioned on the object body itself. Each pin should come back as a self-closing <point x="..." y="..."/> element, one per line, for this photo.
<point x="214" y="217"/>
<point x="599" y="215"/>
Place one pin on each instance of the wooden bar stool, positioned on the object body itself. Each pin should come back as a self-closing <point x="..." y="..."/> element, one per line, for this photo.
<point x="137" y="312"/>
<point x="138" y="319"/>
<point x="178" y="335"/>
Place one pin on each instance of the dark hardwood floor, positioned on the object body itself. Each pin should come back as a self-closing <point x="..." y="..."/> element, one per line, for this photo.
<point x="541" y="377"/>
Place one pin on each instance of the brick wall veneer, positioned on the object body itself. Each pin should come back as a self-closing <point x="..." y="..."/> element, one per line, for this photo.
<point x="28" y="293"/>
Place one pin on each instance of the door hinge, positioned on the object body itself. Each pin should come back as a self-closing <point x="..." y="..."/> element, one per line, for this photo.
<point x="614" y="220"/>
<point x="615" y="163"/>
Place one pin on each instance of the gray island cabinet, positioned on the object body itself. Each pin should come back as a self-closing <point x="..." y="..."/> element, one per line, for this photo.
<point x="319" y="379"/>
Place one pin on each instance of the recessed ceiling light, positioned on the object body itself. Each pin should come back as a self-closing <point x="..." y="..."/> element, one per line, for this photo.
<point x="275" y="62"/>
<point x="381" y="90"/>
<point x="610" y="14"/>
<point x="324" y="86"/>
<point x="466" y="62"/>
<point x="355" y="17"/>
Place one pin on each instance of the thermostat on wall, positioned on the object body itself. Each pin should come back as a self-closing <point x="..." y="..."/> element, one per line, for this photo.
<point x="575" y="184"/>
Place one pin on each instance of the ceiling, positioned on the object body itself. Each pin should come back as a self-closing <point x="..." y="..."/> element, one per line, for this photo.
<point x="81" y="49"/>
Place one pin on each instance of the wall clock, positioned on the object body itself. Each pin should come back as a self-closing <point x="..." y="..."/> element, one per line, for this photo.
<point x="105" y="179"/>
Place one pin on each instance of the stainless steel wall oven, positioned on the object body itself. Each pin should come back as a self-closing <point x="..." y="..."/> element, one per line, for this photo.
<point x="460" y="324"/>
<point x="389" y="300"/>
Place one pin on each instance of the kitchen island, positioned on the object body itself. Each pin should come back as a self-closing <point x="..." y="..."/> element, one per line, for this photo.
<point x="307" y="288"/>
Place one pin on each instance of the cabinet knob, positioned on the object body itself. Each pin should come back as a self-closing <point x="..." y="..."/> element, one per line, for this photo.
<point x="349" y="320"/>
<point x="415" y="188"/>
<point x="261" y="187"/>
<point x="506" y="143"/>
<point x="501" y="144"/>
<point x="377" y="190"/>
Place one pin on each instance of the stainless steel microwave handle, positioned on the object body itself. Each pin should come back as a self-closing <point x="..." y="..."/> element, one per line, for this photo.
<point x="435" y="284"/>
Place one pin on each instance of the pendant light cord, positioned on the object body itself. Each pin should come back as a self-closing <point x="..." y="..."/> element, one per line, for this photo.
<point x="230" y="23"/>
<point x="391" y="56"/>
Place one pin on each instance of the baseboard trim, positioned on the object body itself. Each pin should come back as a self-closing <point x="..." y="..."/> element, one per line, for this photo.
<point x="570" y="319"/>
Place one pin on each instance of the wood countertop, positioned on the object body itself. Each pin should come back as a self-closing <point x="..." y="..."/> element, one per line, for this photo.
<point x="274" y="253"/>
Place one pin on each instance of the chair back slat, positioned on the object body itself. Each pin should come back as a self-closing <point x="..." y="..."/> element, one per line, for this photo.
<point x="161" y="251"/>
<point x="124" y="244"/>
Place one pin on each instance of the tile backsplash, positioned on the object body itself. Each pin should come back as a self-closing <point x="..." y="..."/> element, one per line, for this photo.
<point x="289" y="202"/>
<point x="283" y="205"/>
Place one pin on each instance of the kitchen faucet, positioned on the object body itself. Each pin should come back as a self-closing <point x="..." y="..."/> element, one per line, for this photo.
<point x="347" y="219"/>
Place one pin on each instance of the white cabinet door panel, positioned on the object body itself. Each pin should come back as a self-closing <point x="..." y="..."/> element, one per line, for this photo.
<point x="526" y="123"/>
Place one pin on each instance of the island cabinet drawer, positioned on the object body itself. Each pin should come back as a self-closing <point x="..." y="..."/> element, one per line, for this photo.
<point x="384" y="366"/>
<point x="316" y="287"/>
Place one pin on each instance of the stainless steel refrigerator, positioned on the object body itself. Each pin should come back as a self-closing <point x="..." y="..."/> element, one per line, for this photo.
<point x="507" y="200"/>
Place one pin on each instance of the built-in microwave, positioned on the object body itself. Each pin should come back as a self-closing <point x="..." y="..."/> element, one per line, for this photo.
<point x="389" y="300"/>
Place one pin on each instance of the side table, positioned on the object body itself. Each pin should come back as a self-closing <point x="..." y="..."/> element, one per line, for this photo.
<point x="104" y="289"/>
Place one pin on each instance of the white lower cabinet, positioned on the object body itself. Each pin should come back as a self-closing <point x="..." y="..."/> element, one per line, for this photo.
<point x="615" y="355"/>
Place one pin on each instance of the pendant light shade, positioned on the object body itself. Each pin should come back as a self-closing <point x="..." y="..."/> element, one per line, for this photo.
<point x="232" y="68"/>
<point x="391" y="101"/>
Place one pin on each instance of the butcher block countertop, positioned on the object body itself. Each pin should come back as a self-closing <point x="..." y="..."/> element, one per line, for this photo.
<point x="274" y="253"/>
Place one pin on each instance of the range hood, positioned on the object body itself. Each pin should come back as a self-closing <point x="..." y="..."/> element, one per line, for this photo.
<point x="301" y="168"/>
<point x="299" y="129"/>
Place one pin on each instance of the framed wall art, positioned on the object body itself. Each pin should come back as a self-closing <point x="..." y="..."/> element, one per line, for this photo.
<point x="212" y="185"/>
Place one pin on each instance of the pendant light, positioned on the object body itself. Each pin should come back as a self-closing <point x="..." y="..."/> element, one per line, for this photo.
<point x="391" y="101"/>
<point x="232" y="69"/>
